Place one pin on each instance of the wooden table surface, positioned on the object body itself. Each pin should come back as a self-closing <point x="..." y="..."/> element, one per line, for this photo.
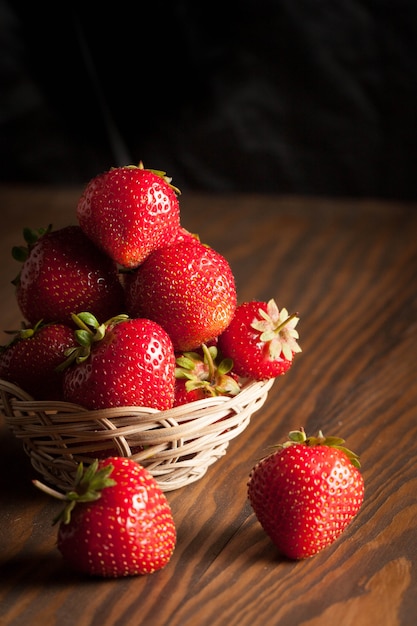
<point x="350" y="270"/>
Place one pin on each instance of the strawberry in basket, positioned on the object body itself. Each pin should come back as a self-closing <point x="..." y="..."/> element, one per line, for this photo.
<point x="188" y="288"/>
<point x="261" y="340"/>
<point x="129" y="212"/>
<point x="123" y="362"/>
<point x="202" y="374"/>
<point x="32" y="357"/>
<point x="62" y="272"/>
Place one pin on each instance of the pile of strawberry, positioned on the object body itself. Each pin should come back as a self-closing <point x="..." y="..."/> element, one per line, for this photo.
<point x="128" y="308"/>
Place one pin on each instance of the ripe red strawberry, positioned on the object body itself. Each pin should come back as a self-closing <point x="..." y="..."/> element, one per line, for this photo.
<point x="117" y="522"/>
<point x="123" y="362"/>
<point x="306" y="493"/>
<point x="188" y="288"/>
<point x="129" y="211"/>
<point x="261" y="340"/>
<point x="32" y="356"/>
<point x="64" y="272"/>
<point x="200" y="375"/>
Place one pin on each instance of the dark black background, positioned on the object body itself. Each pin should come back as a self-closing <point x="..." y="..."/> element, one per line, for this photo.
<point x="311" y="97"/>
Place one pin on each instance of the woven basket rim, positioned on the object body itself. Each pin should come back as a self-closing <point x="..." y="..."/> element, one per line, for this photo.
<point x="176" y="445"/>
<point x="51" y="405"/>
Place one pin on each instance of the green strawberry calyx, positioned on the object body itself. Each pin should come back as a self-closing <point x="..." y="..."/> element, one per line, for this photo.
<point x="25" y="332"/>
<point x="160" y="173"/>
<point x="89" y="331"/>
<point x="300" y="437"/>
<point x="88" y="486"/>
<point x="21" y="253"/>
<point x="277" y="328"/>
<point x="203" y="371"/>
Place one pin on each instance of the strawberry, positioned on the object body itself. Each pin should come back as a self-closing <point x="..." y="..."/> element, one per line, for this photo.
<point x="62" y="272"/>
<point x="188" y="288"/>
<point x="261" y="340"/>
<point x="306" y="493"/>
<point x="117" y="521"/>
<point x="122" y="362"/>
<point x="200" y="375"/>
<point x="32" y="356"/>
<point x="129" y="212"/>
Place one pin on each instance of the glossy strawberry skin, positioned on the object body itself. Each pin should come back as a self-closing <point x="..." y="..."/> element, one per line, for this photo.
<point x="31" y="362"/>
<point x="128" y="531"/>
<point x="129" y="212"/>
<point x="305" y="497"/>
<point x="244" y="346"/>
<point x="66" y="273"/>
<point x="186" y="287"/>
<point x="133" y="365"/>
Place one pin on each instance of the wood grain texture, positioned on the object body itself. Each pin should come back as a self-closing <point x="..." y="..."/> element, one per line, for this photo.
<point x="350" y="270"/>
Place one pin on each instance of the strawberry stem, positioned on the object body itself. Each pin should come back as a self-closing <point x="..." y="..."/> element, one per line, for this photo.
<point x="88" y="486"/>
<point x="284" y="323"/>
<point x="210" y="363"/>
<point x="49" y="491"/>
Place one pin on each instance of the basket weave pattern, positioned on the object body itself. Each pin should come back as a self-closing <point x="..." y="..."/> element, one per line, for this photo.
<point x="176" y="446"/>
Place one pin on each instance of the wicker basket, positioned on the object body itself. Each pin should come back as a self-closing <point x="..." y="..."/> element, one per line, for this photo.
<point x="177" y="446"/>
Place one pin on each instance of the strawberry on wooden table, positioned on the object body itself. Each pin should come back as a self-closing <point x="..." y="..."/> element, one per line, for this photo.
<point x="117" y="521"/>
<point x="188" y="288"/>
<point x="306" y="493"/>
<point x="129" y="212"/>
<point x="260" y="339"/>
<point x="62" y="272"/>
<point x="31" y="358"/>
<point x="122" y="362"/>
